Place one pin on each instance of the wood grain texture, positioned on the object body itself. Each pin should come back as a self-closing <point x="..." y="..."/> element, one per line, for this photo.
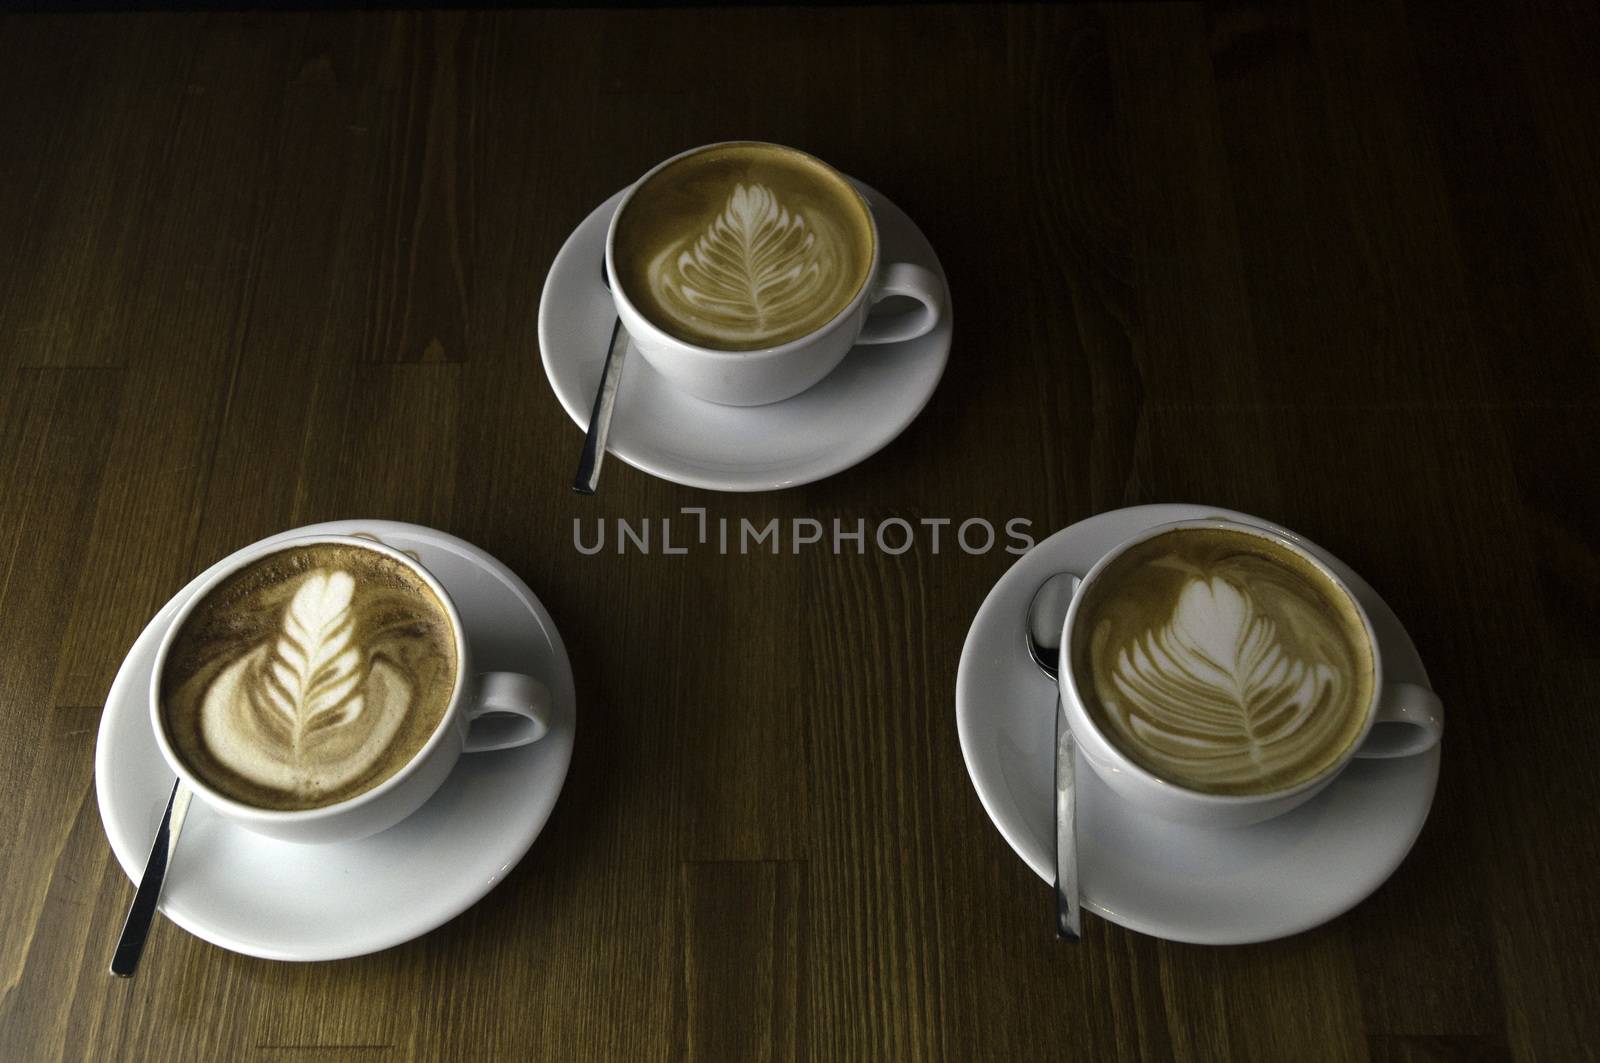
<point x="1333" y="264"/>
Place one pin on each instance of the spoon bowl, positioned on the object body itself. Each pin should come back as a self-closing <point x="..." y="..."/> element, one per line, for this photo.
<point x="1046" y="614"/>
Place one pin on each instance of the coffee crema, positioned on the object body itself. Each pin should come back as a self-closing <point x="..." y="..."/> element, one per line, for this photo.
<point x="309" y="676"/>
<point x="1223" y="662"/>
<point x="743" y="246"/>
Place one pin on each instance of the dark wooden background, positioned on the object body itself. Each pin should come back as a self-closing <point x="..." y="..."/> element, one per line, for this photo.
<point x="1333" y="264"/>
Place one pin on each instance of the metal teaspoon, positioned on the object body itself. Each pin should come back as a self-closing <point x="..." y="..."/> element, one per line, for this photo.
<point x="1046" y="614"/>
<point x="142" y="912"/>
<point x="605" y="401"/>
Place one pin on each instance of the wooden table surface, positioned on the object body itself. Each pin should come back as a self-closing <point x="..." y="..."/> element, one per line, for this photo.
<point x="1336" y="265"/>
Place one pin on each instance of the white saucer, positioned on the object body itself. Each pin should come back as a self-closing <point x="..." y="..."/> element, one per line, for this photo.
<point x="851" y="415"/>
<point x="1214" y="887"/>
<point x="282" y="901"/>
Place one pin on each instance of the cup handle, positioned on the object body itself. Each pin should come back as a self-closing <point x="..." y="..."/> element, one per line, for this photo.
<point x="508" y="710"/>
<point x="1410" y="721"/>
<point x="914" y="282"/>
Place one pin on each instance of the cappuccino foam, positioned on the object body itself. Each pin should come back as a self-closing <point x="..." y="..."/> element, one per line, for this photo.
<point x="743" y="246"/>
<point x="1223" y="662"/>
<point x="310" y="676"/>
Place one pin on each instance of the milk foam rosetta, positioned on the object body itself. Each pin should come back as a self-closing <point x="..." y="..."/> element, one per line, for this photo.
<point x="309" y="677"/>
<point x="743" y="246"/>
<point x="757" y="271"/>
<point x="1223" y="662"/>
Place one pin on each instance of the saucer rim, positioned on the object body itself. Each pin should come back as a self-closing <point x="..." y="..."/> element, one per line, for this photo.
<point x="561" y="684"/>
<point x="578" y="408"/>
<point x="968" y="703"/>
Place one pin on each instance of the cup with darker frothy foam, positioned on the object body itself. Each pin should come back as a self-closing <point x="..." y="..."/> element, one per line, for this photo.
<point x="1219" y="673"/>
<point x="320" y="689"/>
<point x="744" y="272"/>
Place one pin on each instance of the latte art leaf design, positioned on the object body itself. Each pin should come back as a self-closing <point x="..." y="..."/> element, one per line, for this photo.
<point x="1214" y="686"/>
<point x="312" y="676"/>
<point x="306" y="711"/>
<point x="757" y="269"/>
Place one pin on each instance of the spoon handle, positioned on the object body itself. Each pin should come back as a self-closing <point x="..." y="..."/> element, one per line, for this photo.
<point x="605" y="400"/>
<point x="1068" y="924"/>
<point x="142" y="912"/>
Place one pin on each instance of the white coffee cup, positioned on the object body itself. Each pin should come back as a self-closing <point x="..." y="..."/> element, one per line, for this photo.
<point x="487" y="711"/>
<point x="1401" y="719"/>
<point x="771" y="374"/>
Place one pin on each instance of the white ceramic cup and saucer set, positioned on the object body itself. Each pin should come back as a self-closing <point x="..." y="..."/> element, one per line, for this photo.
<point x="393" y="862"/>
<point x="769" y="417"/>
<point x="1171" y="860"/>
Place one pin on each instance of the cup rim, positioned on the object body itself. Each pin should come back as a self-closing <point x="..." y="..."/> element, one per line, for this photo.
<point x="1067" y="684"/>
<point x="835" y="322"/>
<point x="232" y="564"/>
